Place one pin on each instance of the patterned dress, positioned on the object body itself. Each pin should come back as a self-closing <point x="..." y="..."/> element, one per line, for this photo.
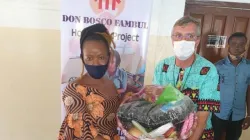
<point x="199" y="82"/>
<point x="88" y="113"/>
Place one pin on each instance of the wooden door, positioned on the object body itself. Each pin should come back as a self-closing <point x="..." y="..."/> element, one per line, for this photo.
<point x="219" y="18"/>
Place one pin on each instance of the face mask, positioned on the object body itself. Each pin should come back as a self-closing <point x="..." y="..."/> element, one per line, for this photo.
<point x="183" y="49"/>
<point x="233" y="57"/>
<point x="96" y="72"/>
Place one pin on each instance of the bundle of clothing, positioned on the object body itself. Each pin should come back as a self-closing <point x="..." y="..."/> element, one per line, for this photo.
<point x="168" y="114"/>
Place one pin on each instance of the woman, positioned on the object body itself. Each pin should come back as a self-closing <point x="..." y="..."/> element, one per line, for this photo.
<point x="91" y="102"/>
<point x="117" y="75"/>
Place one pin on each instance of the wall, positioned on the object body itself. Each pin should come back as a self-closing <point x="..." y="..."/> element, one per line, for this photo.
<point x="30" y="69"/>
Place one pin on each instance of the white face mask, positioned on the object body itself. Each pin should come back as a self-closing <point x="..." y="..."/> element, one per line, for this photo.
<point x="183" y="49"/>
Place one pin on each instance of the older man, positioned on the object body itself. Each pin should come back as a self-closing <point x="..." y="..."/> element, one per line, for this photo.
<point x="192" y="74"/>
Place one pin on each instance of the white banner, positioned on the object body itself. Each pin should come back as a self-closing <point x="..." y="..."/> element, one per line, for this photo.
<point x="127" y="21"/>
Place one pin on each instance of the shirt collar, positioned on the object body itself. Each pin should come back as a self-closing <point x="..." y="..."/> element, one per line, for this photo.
<point x="227" y="60"/>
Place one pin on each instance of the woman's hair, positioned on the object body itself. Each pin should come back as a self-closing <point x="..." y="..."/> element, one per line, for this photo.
<point x="96" y="32"/>
<point x="118" y="58"/>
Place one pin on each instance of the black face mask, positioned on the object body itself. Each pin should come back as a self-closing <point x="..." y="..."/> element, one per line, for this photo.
<point x="96" y="71"/>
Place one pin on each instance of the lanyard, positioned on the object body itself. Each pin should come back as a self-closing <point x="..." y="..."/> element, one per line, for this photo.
<point x="183" y="83"/>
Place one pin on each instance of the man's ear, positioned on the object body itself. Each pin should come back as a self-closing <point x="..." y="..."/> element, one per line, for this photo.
<point x="197" y="42"/>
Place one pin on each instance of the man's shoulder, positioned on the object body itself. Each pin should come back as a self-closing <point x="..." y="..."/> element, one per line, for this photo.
<point x="203" y="62"/>
<point x="164" y="64"/>
<point x="247" y="62"/>
<point x="166" y="61"/>
<point x="220" y="62"/>
<point x="206" y="67"/>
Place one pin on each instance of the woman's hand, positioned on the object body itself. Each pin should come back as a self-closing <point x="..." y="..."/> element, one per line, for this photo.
<point x="152" y="92"/>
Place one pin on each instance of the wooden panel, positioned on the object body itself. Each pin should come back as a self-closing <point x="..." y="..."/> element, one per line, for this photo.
<point x="199" y="17"/>
<point x="240" y="24"/>
<point x="210" y="3"/>
<point x="219" y="19"/>
<point x="218" y="24"/>
<point x="248" y="43"/>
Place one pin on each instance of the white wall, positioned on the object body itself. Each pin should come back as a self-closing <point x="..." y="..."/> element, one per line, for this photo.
<point x="38" y="14"/>
<point x="164" y="15"/>
<point x="30" y="69"/>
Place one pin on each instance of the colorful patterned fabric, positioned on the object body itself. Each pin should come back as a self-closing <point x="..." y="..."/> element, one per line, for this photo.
<point x="89" y="113"/>
<point x="199" y="82"/>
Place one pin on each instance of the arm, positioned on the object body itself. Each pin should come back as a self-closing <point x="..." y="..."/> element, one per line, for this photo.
<point x="71" y="106"/>
<point x="246" y="122"/>
<point x="64" y="123"/>
<point x="208" y="102"/>
<point x="124" y="81"/>
<point x="157" y="78"/>
<point x="248" y="100"/>
<point x="201" y="125"/>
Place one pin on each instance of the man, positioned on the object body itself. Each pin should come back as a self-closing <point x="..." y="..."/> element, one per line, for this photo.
<point x="234" y="72"/>
<point x="117" y="75"/>
<point x="192" y="74"/>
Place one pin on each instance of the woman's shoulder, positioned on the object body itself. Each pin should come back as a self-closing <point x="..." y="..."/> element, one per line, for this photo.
<point x="73" y="88"/>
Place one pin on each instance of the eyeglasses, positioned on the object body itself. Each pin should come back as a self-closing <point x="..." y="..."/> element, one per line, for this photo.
<point x="188" y="37"/>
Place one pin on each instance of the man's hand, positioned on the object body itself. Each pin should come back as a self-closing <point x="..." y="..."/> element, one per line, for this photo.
<point x="246" y="123"/>
<point x="201" y="125"/>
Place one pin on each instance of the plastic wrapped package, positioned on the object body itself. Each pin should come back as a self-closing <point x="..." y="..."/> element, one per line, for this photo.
<point x="148" y="116"/>
<point x="169" y="94"/>
<point x="152" y="115"/>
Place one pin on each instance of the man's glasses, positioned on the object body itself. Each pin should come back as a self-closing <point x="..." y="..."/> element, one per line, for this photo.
<point x="188" y="37"/>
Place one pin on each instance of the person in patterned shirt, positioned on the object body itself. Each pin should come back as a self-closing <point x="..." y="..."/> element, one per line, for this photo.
<point x="192" y="74"/>
<point x="91" y="102"/>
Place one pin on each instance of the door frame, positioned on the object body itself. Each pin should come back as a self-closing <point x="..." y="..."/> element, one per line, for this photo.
<point x="219" y="4"/>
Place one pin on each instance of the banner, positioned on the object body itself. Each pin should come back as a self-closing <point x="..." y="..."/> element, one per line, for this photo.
<point x="127" y="21"/>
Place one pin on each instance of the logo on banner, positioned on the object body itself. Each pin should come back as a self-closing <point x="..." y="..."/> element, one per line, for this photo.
<point x="108" y="9"/>
<point x="114" y="7"/>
